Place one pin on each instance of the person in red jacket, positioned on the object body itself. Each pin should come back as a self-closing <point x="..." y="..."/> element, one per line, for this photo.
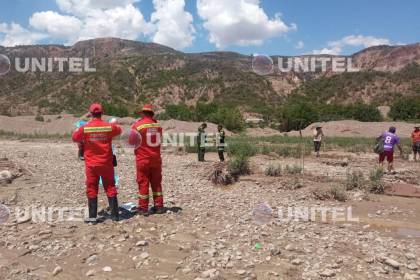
<point x="415" y="138"/>
<point x="148" y="160"/>
<point x="97" y="136"/>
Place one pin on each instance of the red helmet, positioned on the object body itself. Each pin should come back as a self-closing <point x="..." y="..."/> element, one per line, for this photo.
<point x="95" y="108"/>
<point x="147" y="108"/>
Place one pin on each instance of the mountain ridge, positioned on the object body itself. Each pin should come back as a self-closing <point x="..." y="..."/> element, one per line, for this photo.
<point x="132" y="72"/>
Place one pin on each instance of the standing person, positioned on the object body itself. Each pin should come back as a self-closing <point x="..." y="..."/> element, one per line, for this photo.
<point x="201" y="141"/>
<point x="221" y="142"/>
<point x="318" y="137"/>
<point x="148" y="161"/>
<point x="390" y="139"/>
<point x="96" y="137"/>
<point x="415" y="137"/>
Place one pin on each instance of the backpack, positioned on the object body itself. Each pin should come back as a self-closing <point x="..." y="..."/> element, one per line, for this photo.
<point x="379" y="147"/>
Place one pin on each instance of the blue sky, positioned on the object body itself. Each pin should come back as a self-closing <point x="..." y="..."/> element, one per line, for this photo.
<point x="304" y="26"/>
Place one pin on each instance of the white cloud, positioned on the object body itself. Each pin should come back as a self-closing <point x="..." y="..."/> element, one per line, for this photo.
<point x="300" y="45"/>
<point x="83" y="8"/>
<point x="87" y="19"/>
<point x="124" y="22"/>
<point x="13" y="34"/>
<point x="336" y="47"/>
<point x="174" y="25"/>
<point x="239" y="22"/>
<point x="63" y="27"/>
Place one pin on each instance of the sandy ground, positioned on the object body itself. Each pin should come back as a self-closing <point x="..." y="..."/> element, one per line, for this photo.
<point x="65" y="124"/>
<point x="216" y="234"/>
<point x="349" y="128"/>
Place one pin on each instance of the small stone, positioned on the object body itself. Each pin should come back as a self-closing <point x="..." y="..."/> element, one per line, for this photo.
<point x="211" y="273"/>
<point x="370" y="260"/>
<point x="6" y="175"/>
<point x="22" y="220"/>
<point x="186" y="270"/>
<point x="57" y="270"/>
<point x="297" y="261"/>
<point x="92" y="259"/>
<point x="392" y="263"/>
<point x="327" y="273"/>
<point x="141" y="243"/>
<point x="410" y="256"/>
<point x="90" y="273"/>
<point x="107" y="269"/>
<point x="289" y="247"/>
<point x="144" y="255"/>
<point x="275" y="252"/>
<point x="241" y="272"/>
<point x="409" y="276"/>
<point x="412" y="266"/>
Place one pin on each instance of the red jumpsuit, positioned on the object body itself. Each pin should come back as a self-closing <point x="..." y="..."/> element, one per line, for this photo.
<point x="97" y="138"/>
<point x="149" y="162"/>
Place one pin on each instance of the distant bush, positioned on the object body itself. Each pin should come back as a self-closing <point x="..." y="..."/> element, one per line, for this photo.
<point x="115" y="110"/>
<point x="239" y="166"/>
<point x="241" y="149"/>
<point x="376" y="184"/>
<point x="230" y="118"/>
<point x="405" y="109"/>
<point x="179" y="112"/>
<point x="338" y="193"/>
<point x="39" y="118"/>
<point x="273" y="170"/>
<point x="355" y="180"/>
<point x="297" y="116"/>
<point x="298" y="112"/>
<point x="294" y="169"/>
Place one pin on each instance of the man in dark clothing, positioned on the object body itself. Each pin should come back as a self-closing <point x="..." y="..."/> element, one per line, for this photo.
<point x="221" y="142"/>
<point x="201" y="141"/>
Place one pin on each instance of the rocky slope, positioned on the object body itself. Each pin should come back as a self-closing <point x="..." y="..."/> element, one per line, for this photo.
<point x="130" y="72"/>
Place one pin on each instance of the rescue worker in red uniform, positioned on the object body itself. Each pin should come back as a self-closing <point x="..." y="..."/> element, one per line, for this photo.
<point x="97" y="136"/>
<point x="148" y="160"/>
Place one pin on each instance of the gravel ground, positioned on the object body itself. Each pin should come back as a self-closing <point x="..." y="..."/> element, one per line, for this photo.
<point x="216" y="235"/>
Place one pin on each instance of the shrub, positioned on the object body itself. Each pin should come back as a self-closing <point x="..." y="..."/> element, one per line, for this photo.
<point x="239" y="166"/>
<point x="39" y="118"/>
<point x="273" y="170"/>
<point x="321" y="193"/>
<point x="294" y="169"/>
<point x="405" y="108"/>
<point x="241" y="149"/>
<point x="338" y="192"/>
<point x="376" y="184"/>
<point x="115" y="110"/>
<point x="230" y="118"/>
<point x="297" y="116"/>
<point x="179" y="112"/>
<point x="355" y="180"/>
<point x="365" y="113"/>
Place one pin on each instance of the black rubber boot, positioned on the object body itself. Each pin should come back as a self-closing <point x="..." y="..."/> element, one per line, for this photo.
<point x="93" y="211"/>
<point x="158" y="210"/>
<point x="113" y="205"/>
<point x="142" y="212"/>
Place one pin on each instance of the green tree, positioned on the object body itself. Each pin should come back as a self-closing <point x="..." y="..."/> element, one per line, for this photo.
<point x="405" y="108"/>
<point x="298" y="116"/>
